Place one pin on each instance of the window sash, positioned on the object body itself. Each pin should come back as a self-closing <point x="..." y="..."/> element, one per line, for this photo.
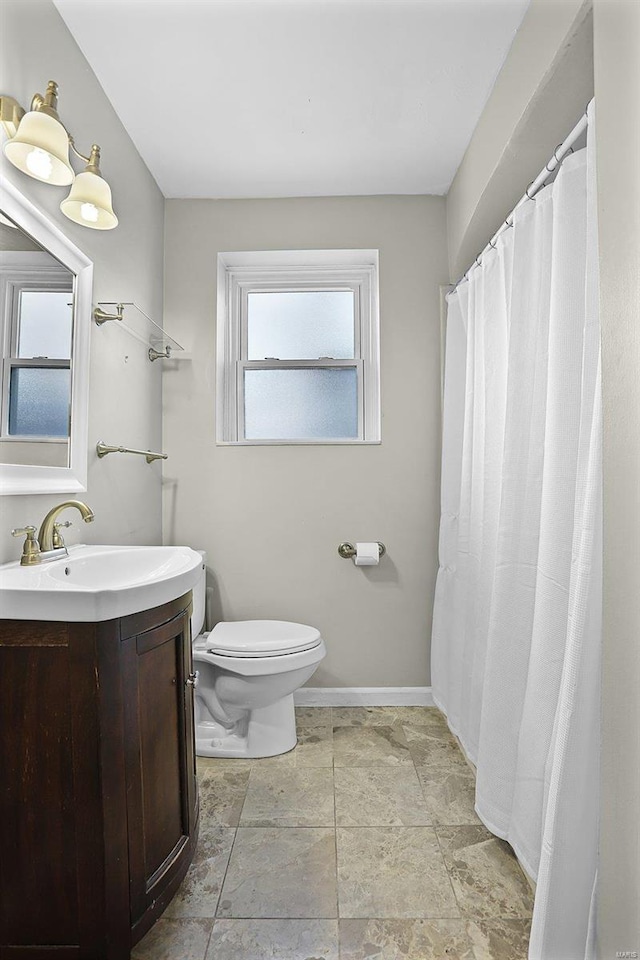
<point x="279" y="287"/>
<point x="16" y="289"/>
<point x="9" y="363"/>
<point x="242" y="365"/>
<point x="274" y="363"/>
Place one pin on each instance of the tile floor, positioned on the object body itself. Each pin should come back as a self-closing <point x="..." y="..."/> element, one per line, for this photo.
<point x="360" y="844"/>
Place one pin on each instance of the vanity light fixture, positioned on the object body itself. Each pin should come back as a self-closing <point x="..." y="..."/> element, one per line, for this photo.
<point x="39" y="146"/>
<point x="89" y="202"/>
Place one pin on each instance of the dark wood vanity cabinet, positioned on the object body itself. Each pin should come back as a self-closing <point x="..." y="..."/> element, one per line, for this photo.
<point x="98" y="794"/>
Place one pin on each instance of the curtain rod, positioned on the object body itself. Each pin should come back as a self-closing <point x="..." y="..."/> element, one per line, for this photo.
<point x="559" y="154"/>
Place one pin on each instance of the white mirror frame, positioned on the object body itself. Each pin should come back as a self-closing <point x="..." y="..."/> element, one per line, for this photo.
<point x="23" y="479"/>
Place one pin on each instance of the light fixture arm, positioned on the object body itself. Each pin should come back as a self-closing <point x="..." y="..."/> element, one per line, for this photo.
<point x="80" y="156"/>
<point x="92" y="161"/>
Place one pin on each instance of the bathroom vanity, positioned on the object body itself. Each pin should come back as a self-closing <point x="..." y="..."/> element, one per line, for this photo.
<point x="98" y="793"/>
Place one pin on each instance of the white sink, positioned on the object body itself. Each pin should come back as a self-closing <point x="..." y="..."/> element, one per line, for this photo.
<point x="97" y="583"/>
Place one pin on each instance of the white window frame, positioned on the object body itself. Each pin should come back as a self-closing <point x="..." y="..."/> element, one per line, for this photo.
<point x="264" y="271"/>
<point x="17" y="276"/>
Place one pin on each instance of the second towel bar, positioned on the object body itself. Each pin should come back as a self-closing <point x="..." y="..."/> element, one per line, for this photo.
<point x="102" y="449"/>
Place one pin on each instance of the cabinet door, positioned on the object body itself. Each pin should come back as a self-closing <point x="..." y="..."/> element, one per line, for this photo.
<point x="160" y="761"/>
<point x="51" y="840"/>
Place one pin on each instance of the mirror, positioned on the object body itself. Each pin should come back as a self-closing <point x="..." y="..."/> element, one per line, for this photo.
<point x="45" y="316"/>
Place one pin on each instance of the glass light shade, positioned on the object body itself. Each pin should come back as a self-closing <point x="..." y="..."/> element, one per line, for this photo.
<point x="40" y="149"/>
<point x="89" y="202"/>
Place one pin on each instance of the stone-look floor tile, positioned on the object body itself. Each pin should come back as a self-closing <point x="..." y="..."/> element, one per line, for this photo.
<point x="433" y="744"/>
<point x="404" y="940"/>
<point x="174" y="940"/>
<point x="369" y="746"/>
<point x="386" y="716"/>
<point x="288" y="872"/>
<point x="289" y="798"/>
<point x="313" y="717"/>
<point x="423" y="716"/>
<point x="392" y="872"/>
<point x="198" y="893"/>
<point x="236" y="764"/>
<point x="499" y="939"/>
<point x="351" y="716"/>
<point x="379" y="796"/>
<point x="364" y="716"/>
<point x="204" y="764"/>
<point x="222" y="793"/>
<point x="315" y="747"/>
<point x="428" y="728"/>
<point x="280" y="761"/>
<point x="449" y="793"/>
<point x="274" y="940"/>
<point x="485" y="874"/>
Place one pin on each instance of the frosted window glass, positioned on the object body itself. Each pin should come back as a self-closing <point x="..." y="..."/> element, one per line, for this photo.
<point x="319" y="403"/>
<point x="45" y="324"/>
<point x="301" y="325"/>
<point x="39" y="402"/>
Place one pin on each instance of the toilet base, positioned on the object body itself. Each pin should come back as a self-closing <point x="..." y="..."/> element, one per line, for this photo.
<point x="262" y="732"/>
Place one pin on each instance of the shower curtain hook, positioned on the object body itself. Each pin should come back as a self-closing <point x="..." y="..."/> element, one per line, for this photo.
<point x="558" y="159"/>
<point x="527" y="191"/>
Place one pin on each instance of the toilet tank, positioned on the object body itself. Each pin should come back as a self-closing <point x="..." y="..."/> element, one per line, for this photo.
<point x="199" y="599"/>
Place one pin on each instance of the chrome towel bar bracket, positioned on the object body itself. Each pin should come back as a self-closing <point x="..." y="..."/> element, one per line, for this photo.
<point x="102" y="449"/>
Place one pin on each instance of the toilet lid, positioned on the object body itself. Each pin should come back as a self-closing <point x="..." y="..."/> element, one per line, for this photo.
<point x="261" y="638"/>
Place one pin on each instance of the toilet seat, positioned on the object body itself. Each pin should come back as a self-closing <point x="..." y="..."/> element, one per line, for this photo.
<point x="260" y="638"/>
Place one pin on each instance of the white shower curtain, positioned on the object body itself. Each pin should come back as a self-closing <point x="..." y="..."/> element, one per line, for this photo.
<point x="517" y="619"/>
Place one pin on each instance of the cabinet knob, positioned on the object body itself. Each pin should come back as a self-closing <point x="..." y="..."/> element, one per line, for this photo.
<point x="192" y="679"/>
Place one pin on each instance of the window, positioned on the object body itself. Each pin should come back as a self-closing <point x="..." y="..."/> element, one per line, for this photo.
<point x="37" y="325"/>
<point x="298" y="355"/>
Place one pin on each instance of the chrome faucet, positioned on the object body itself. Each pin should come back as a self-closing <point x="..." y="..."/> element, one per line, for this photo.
<point x="49" y="536"/>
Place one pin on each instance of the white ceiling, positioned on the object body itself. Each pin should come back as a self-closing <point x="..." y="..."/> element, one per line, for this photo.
<point x="276" y="98"/>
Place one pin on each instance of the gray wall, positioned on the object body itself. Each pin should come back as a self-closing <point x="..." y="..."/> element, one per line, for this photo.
<point x="125" y="404"/>
<point x="545" y="84"/>
<point x="271" y="517"/>
<point x="617" y="75"/>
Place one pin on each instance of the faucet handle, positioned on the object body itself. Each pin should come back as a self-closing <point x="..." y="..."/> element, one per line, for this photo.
<point x="30" y="547"/>
<point x="21" y="531"/>
<point x="58" y="541"/>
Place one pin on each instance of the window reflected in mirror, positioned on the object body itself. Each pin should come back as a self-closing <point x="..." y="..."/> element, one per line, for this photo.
<point x="36" y="325"/>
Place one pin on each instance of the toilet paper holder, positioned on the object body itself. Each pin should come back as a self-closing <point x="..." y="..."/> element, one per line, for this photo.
<point x="347" y="550"/>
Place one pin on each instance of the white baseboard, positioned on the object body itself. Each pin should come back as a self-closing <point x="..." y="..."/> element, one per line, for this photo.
<point x="363" y="697"/>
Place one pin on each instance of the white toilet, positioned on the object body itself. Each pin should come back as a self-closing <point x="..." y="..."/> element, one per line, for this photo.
<point x="247" y="673"/>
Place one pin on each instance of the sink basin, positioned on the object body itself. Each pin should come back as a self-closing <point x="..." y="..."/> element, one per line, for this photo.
<point x="97" y="583"/>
